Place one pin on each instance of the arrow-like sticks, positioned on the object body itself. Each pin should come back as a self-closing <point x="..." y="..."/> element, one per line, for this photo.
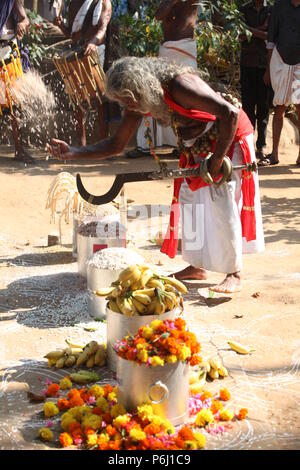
<point x="165" y="173"/>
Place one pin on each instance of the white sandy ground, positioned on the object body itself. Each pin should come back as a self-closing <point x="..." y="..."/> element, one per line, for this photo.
<point x="43" y="301"/>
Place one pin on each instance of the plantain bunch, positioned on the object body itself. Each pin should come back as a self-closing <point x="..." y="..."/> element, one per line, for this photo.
<point x="140" y="291"/>
<point x="215" y="369"/>
<point x="92" y="354"/>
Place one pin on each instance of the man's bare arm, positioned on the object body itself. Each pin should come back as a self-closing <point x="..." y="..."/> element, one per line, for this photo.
<point x="103" y="21"/>
<point x="23" y="21"/>
<point x="192" y="93"/>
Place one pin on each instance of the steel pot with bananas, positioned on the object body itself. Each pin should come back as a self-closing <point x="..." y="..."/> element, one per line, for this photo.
<point x="138" y="297"/>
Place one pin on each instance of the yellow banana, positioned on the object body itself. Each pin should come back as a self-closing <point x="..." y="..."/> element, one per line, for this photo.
<point x="169" y="288"/>
<point x="51" y="362"/>
<point x="239" y="348"/>
<point x="113" y="307"/>
<point x="82" y="358"/>
<point x="70" y="361"/>
<point x="92" y="348"/>
<point x="74" y="345"/>
<point x="124" y="306"/>
<point x="160" y="307"/>
<point x="60" y="363"/>
<point x="116" y="292"/>
<point x="143" y="298"/>
<point x="215" y="363"/>
<point x="100" y="356"/>
<point x="91" y="361"/>
<point x="148" y="291"/>
<point x="141" y="308"/>
<point x="175" y="283"/>
<point x="151" y="307"/>
<point x="169" y="302"/>
<point x="135" y="286"/>
<point x="125" y="285"/>
<point x="104" y="291"/>
<point x="67" y="351"/>
<point x="145" y="277"/>
<point x="193" y="377"/>
<point x="213" y="374"/>
<point x="132" y="274"/>
<point x="223" y="372"/>
<point x="155" y="283"/>
<point x="55" y="355"/>
<point x="205" y="366"/>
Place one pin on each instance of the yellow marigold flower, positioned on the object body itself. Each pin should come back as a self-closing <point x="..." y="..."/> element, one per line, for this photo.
<point x="190" y="445"/>
<point x="50" y="409"/>
<point x="171" y="359"/>
<point x="148" y="30"/>
<point x="97" y="391"/>
<point x="112" y="396"/>
<point x="103" y="404"/>
<point x="147" y="332"/>
<point x="157" y="361"/>
<point x="137" y="434"/>
<point x="115" y="390"/>
<point x="200" y="439"/>
<point x="65" y="383"/>
<point x="142" y="355"/>
<point x="155" y="324"/>
<point x="121" y="421"/>
<point x="92" y="440"/>
<point x="103" y="438"/>
<point x="185" y="352"/>
<point x="204" y="417"/>
<point x="226" y="415"/>
<point x="45" y="434"/>
<point x="66" y="420"/>
<point x="145" y="411"/>
<point x="92" y="421"/>
<point x="156" y="420"/>
<point x="141" y="346"/>
<point x="117" y="410"/>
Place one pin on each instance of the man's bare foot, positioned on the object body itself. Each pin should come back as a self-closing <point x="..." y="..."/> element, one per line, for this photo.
<point x="231" y="284"/>
<point x="190" y="272"/>
<point x="23" y="156"/>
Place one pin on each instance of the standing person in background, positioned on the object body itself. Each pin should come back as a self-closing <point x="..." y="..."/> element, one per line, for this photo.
<point x="13" y="25"/>
<point x="283" y="69"/>
<point x="178" y="18"/>
<point x="88" y="21"/>
<point x="255" y="93"/>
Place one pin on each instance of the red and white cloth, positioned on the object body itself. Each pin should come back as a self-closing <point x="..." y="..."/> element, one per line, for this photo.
<point x="285" y="81"/>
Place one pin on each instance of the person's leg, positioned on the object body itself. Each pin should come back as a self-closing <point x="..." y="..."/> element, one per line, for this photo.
<point x="277" y="127"/>
<point x="298" y="113"/>
<point x="232" y="283"/>
<point x="20" y="154"/>
<point x="262" y="110"/>
<point x="248" y="92"/>
<point x="103" y="125"/>
<point x="80" y="117"/>
<point x="191" y="273"/>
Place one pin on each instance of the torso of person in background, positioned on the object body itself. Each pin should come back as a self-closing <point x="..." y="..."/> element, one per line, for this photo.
<point x="254" y="52"/>
<point x="88" y="31"/>
<point x="181" y="21"/>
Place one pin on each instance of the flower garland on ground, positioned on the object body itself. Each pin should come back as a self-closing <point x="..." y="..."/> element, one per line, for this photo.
<point x="92" y="418"/>
<point x="162" y="342"/>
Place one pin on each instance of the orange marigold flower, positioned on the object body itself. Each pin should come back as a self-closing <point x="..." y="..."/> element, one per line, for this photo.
<point x="195" y="360"/>
<point x="224" y="394"/>
<point x="242" y="413"/>
<point x="76" y="401"/>
<point x="205" y="395"/>
<point x="97" y="411"/>
<point x="74" y="427"/>
<point x="52" y="390"/>
<point x="73" y="393"/>
<point x="130" y="355"/>
<point x="107" y="390"/>
<point x="65" y="439"/>
<point x="107" y="418"/>
<point x="179" y="442"/>
<point x="63" y="404"/>
<point x="186" y="434"/>
<point x="152" y="429"/>
<point x="216" y="406"/>
<point x="180" y="324"/>
<point x="111" y="431"/>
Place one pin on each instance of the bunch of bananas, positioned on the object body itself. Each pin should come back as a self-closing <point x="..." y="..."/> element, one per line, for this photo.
<point x="215" y="369"/>
<point x="92" y="354"/>
<point x="140" y="291"/>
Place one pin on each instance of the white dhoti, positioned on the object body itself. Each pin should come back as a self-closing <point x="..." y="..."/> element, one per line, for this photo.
<point x="211" y="224"/>
<point x="182" y="52"/>
<point x="285" y="81"/>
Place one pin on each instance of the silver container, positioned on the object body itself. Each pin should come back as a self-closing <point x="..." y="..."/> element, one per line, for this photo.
<point x="119" y="325"/>
<point x="166" y="388"/>
<point x="87" y="246"/>
<point x="96" y="279"/>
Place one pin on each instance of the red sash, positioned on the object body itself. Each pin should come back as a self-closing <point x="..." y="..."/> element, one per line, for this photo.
<point x="248" y="221"/>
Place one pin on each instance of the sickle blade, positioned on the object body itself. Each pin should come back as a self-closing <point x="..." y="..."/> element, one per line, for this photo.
<point x="104" y="198"/>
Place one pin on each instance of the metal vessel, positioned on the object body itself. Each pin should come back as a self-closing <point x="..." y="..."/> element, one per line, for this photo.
<point x="96" y="279"/>
<point x="166" y="388"/>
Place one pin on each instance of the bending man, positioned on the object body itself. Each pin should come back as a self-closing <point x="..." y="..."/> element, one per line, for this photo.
<point x="218" y="222"/>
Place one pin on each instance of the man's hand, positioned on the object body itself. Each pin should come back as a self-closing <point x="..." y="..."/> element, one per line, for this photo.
<point x="21" y="29"/>
<point x="90" y="48"/>
<point x="61" y="150"/>
<point x="58" y="21"/>
<point x="215" y="166"/>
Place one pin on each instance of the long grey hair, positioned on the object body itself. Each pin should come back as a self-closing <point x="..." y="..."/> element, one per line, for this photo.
<point x="142" y="79"/>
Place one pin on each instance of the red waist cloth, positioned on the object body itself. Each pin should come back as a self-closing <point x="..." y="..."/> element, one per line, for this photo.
<point x="248" y="222"/>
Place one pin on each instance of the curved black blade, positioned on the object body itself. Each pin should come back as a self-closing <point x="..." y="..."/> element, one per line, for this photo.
<point x="120" y="180"/>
